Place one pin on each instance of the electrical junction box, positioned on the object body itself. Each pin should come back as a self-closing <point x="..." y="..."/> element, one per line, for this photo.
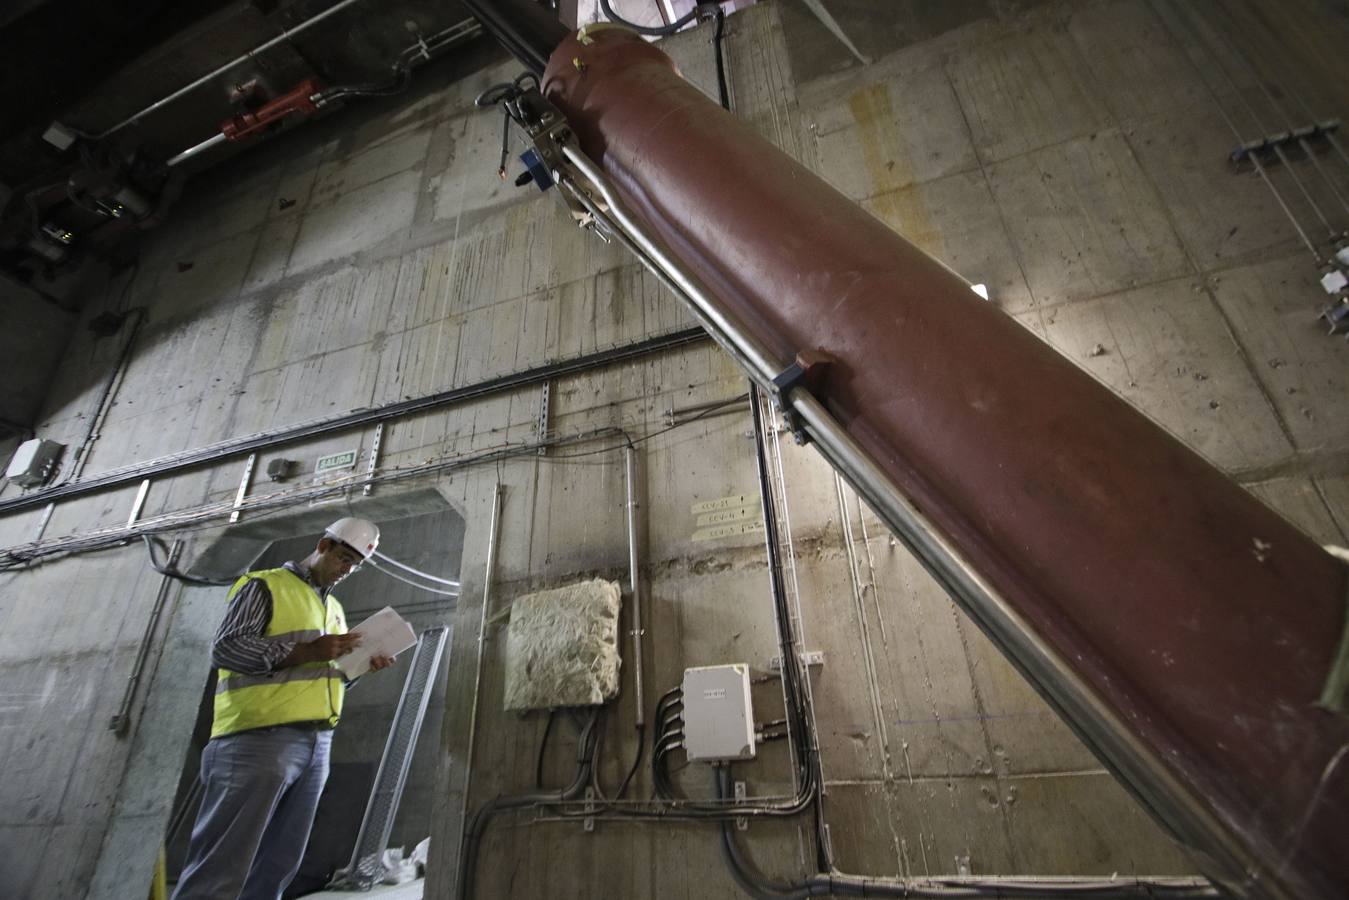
<point x="718" y="714"/>
<point x="32" y="464"/>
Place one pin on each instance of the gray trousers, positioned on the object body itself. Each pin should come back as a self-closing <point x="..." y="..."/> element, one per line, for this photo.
<point x="262" y="788"/>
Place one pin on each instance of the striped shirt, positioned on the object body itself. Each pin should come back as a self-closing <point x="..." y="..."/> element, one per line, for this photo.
<point x="239" y="644"/>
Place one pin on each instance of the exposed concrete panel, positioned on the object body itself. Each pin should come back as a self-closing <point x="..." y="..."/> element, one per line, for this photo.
<point x="956" y="219"/>
<point x="863" y="154"/>
<point x="1026" y="90"/>
<point x="1303" y="503"/>
<point x="1084" y="219"/>
<point x="1166" y="349"/>
<point x="33" y="337"/>
<point x="1273" y="314"/>
<point x="355" y="221"/>
<point x="1222" y="216"/>
<point x="1139" y="67"/>
<point x="403" y="267"/>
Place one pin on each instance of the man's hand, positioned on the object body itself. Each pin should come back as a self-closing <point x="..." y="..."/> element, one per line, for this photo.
<point x="380" y="662"/>
<point x="322" y="649"/>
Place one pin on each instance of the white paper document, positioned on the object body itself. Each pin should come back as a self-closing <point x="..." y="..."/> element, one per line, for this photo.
<point x="386" y="633"/>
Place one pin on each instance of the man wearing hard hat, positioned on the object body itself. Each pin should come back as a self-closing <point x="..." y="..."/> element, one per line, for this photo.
<point x="277" y="700"/>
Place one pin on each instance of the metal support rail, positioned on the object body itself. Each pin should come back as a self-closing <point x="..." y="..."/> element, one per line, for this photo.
<point x="265" y="440"/>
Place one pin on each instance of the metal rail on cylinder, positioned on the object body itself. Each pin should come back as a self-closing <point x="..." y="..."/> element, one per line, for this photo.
<point x="1092" y="720"/>
<point x="724" y="327"/>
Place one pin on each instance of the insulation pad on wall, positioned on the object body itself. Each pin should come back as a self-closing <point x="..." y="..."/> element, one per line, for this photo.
<point x="562" y="647"/>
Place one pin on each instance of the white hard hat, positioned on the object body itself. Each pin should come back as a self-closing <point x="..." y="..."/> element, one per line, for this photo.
<point x="361" y="535"/>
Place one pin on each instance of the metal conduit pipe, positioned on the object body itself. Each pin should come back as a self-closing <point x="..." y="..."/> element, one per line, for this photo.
<point x="285" y="35"/>
<point x="635" y="578"/>
<point x="529" y="31"/>
<point x="105" y="397"/>
<point x="498" y="491"/>
<point x="121" y="720"/>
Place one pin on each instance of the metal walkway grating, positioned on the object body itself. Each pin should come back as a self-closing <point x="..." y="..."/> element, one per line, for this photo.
<point x="366" y="867"/>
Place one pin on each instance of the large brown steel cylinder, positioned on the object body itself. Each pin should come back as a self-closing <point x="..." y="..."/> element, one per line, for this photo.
<point x="1205" y="622"/>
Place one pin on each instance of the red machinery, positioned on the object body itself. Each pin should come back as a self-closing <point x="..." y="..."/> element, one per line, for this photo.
<point x="1186" y="632"/>
<point x="300" y="99"/>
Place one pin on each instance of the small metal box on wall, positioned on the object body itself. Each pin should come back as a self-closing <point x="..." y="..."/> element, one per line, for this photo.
<point x="718" y="713"/>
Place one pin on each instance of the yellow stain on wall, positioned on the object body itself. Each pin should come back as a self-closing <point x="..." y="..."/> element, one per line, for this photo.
<point x="894" y="199"/>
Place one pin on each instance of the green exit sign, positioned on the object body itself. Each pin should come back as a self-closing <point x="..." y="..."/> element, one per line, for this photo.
<point x="334" y="461"/>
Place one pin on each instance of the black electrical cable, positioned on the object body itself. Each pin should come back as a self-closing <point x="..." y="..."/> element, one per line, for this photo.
<point x="177" y="574"/>
<point x="657" y="30"/>
<point x="585" y="755"/>
<point x="636" y="762"/>
<point x="399" y="83"/>
<point x="543" y="746"/>
<point x="723" y="94"/>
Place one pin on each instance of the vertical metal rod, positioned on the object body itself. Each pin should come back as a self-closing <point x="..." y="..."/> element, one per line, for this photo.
<point x="1259" y="123"/>
<point x="1334" y="142"/>
<point x="868" y="651"/>
<point x="1306" y="194"/>
<point x="120" y="723"/>
<point x="630" y="459"/>
<point x="1260" y="80"/>
<point x="374" y="460"/>
<point x="243" y="486"/>
<point x="1321" y="170"/>
<point x="1255" y="160"/>
<point x="138" y="503"/>
<point x="1283" y="204"/>
<point x="490" y="567"/>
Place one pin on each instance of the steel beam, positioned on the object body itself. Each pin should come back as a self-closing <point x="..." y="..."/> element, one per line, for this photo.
<point x="191" y="459"/>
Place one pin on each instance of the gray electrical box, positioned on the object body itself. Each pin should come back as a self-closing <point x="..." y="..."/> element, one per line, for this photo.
<point x="32" y="464"/>
<point x="718" y="714"/>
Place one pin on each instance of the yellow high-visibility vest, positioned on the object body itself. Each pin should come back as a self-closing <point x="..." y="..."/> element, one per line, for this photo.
<point x="309" y="692"/>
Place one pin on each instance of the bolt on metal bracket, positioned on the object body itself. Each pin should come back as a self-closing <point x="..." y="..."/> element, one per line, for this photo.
<point x="589" y="823"/>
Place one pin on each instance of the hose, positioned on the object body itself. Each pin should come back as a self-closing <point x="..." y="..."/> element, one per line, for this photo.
<point x="586" y="746"/>
<point x="178" y="574"/>
<point x="657" y="30"/>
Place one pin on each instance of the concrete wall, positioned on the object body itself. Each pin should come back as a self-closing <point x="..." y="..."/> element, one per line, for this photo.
<point x="1069" y="156"/>
<point x="33" y="336"/>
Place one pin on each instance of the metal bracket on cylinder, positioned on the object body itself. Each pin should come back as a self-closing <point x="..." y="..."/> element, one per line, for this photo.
<point x="589" y="823"/>
<point x="804" y="372"/>
<point x="548" y="131"/>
